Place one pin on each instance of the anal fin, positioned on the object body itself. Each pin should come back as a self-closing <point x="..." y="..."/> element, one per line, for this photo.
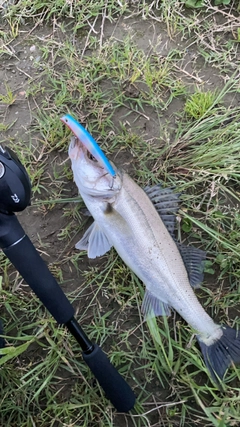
<point x="153" y="306"/>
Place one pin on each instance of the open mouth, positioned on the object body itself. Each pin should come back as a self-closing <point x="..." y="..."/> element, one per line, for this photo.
<point x="91" y="157"/>
<point x="75" y="143"/>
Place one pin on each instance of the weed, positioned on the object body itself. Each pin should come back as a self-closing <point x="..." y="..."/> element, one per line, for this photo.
<point x="195" y="4"/>
<point x="199" y="104"/>
<point x="7" y="98"/>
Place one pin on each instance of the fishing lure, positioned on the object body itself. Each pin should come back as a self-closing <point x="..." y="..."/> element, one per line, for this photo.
<point x="89" y="142"/>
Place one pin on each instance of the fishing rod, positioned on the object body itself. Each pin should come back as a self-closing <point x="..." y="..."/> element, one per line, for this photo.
<point x="15" y="195"/>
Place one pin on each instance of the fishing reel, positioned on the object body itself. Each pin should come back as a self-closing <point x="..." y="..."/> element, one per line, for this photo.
<point x="15" y="186"/>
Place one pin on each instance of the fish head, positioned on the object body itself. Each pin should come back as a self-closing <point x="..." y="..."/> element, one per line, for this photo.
<point x="90" y="176"/>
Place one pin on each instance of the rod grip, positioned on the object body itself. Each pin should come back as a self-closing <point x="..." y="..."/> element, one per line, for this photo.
<point x="116" y="388"/>
<point x="26" y="259"/>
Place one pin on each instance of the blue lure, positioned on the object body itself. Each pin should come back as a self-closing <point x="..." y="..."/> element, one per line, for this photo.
<point x="86" y="139"/>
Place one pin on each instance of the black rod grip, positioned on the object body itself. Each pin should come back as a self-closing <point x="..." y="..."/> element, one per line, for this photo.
<point x="117" y="390"/>
<point x="76" y="330"/>
<point x="26" y="259"/>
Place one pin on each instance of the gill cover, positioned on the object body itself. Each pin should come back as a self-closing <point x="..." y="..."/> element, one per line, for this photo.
<point x="89" y="142"/>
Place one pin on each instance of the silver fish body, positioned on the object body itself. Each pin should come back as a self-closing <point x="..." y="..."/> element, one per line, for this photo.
<point x="126" y="219"/>
<point x="135" y="229"/>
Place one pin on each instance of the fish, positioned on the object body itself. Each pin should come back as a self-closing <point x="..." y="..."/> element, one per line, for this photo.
<point x="139" y="224"/>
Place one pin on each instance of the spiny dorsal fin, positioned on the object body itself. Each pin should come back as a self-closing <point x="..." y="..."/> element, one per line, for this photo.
<point x="166" y="203"/>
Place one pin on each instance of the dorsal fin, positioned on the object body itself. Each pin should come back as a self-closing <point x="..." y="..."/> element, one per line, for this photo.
<point x="194" y="261"/>
<point x="166" y="203"/>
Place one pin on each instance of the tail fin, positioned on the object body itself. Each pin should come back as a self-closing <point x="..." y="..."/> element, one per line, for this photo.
<point x="222" y="353"/>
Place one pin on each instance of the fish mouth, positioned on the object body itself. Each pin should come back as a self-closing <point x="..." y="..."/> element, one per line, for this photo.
<point x="75" y="142"/>
<point x="77" y="147"/>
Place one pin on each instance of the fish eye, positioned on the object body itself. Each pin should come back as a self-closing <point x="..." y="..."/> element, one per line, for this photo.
<point x="91" y="157"/>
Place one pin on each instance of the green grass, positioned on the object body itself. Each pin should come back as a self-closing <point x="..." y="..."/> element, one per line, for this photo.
<point x="199" y="103"/>
<point x="132" y="87"/>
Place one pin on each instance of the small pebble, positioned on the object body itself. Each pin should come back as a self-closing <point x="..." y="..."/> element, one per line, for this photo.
<point x="32" y="48"/>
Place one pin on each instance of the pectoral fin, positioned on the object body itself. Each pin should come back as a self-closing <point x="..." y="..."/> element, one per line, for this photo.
<point x="153" y="306"/>
<point x="94" y="241"/>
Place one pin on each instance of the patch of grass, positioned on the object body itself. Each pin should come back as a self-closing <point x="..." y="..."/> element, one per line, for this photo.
<point x="79" y="11"/>
<point x="8" y="98"/>
<point x="198" y="104"/>
<point x="195" y="4"/>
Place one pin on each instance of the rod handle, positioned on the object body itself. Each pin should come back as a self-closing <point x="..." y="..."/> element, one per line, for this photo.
<point x="23" y="255"/>
<point x="116" y="388"/>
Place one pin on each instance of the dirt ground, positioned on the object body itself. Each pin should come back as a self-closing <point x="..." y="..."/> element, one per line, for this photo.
<point x="19" y="72"/>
